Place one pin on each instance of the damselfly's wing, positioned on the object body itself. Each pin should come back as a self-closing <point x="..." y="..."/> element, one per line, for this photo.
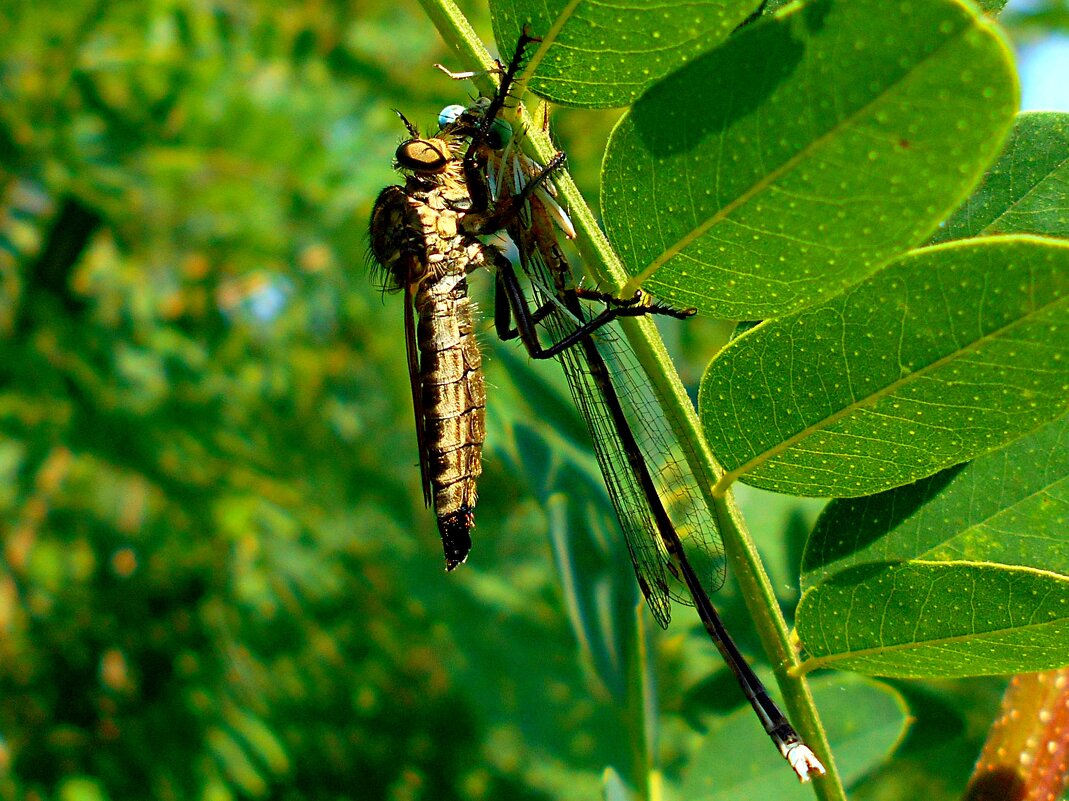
<point x="588" y="365"/>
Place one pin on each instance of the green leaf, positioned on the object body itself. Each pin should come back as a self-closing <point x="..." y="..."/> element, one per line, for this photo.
<point x="948" y="353"/>
<point x="921" y="619"/>
<point x="598" y="593"/>
<point x="597" y="582"/>
<point x="602" y="55"/>
<point x="1005" y="508"/>
<point x="866" y="721"/>
<point x="808" y="149"/>
<point x="1024" y="193"/>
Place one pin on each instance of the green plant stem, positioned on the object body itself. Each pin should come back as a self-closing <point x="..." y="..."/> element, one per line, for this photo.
<point x="640" y="708"/>
<point x="457" y="32"/>
<point x="744" y="561"/>
<point x="772" y="629"/>
<point x="642" y="334"/>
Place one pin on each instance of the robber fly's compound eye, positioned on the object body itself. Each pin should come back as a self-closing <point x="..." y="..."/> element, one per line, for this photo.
<point x="423" y="155"/>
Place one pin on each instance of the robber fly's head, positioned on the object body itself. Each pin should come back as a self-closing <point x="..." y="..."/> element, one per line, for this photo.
<point x="427" y="157"/>
<point x="464" y="120"/>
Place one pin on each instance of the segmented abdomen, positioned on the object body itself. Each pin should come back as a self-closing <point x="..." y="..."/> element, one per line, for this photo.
<point x="454" y="400"/>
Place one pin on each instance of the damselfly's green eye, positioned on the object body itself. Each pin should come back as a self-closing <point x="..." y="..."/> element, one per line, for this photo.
<point x="499" y="136"/>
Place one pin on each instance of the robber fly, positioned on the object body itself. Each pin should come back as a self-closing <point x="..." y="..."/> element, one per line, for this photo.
<point x="671" y="537"/>
<point x="424" y="237"/>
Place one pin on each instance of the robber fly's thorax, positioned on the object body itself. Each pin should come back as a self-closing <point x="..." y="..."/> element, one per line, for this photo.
<point x="416" y="231"/>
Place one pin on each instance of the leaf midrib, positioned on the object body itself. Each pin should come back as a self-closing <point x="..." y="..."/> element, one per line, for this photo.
<point x="787" y="166"/>
<point x="869" y="400"/>
<point x="823" y="661"/>
<point x="549" y="38"/>
<point x="1017" y="203"/>
<point x="827" y="661"/>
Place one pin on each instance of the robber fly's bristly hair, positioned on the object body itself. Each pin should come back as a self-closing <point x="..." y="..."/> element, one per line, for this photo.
<point x="379" y="277"/>
<point x="376" y="272"/>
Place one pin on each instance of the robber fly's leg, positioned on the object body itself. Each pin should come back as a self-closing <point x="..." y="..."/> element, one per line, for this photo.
<point x="607" y="297"/>
<point x="514" y="306"/>
<point x="510" y="303"/>
<point x="506" y="211"/>
<point x="478" y="190"/>
<point x="502" y="310"/>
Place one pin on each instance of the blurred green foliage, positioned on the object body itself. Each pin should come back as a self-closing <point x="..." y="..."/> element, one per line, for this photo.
<point x="218" y="578"/>
<point x="215" y="583"/>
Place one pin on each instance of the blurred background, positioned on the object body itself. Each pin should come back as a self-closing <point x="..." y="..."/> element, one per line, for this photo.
<point x="218" y="579"/>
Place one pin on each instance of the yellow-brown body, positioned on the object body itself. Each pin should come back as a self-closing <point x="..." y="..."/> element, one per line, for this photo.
<point x="420" y="237"/>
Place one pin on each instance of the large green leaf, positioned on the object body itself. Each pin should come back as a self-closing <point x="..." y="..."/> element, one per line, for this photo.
<point x="948" y="353"/>
<point x="1025" y="191"/>
<point x="536" y="430"/>
<point x="1005" y="508"/>
<point x="923" y="619"/>
<point x="808" y="149"/>
<point x="601" y="55"/>
<point x="866" y="721"/>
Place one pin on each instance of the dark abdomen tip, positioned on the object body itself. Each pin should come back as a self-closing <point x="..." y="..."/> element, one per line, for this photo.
<point x="455" y="530"/>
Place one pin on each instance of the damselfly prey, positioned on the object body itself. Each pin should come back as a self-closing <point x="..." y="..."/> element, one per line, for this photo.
<point x="671" y="536"/>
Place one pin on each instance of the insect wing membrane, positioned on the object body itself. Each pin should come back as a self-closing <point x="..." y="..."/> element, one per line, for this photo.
<point x="605" y="356"/>
<point x="667" y="460"/>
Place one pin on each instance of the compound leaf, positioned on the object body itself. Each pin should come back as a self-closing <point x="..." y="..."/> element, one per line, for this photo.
<point x="948" y="353"/>
<point x="811" y="147"/>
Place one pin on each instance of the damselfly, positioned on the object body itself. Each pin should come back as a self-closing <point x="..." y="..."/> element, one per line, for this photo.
<point x="671" y="536"/>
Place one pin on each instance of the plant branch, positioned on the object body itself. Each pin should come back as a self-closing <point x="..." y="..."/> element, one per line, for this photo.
<point x="457" y="32"/>
<point x="744" y="561"/>
<point x="642" y="334"/>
